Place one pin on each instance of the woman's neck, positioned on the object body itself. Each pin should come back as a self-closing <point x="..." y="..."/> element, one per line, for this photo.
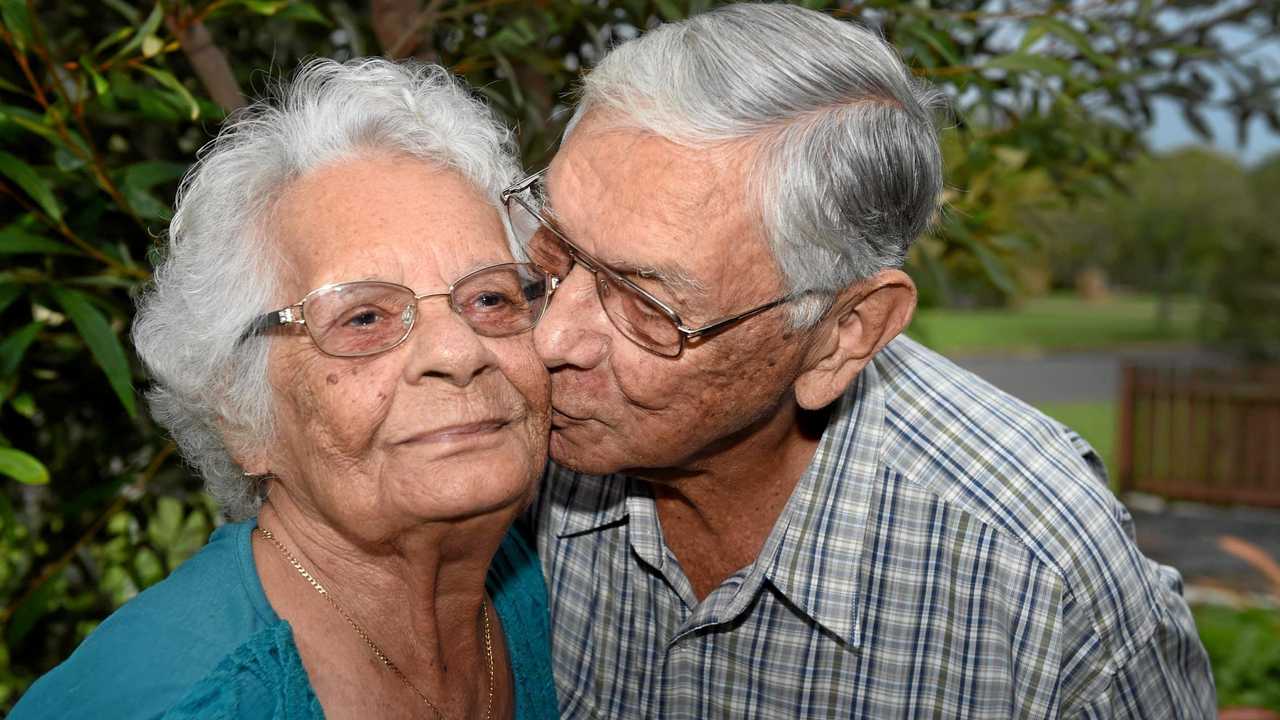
<point x="417" y="594"/>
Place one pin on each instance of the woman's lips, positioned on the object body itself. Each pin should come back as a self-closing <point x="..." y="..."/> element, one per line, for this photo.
<point x="461" y="431"/>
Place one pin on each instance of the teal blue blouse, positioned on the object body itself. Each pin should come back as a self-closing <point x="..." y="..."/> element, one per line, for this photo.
<point x="205" y="643"/>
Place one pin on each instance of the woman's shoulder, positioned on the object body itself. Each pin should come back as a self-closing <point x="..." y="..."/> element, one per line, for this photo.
<point x="147" y="655"/>
<point x="263" y="678"/>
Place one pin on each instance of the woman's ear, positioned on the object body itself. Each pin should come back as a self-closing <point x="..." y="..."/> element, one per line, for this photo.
<point x="863" y="319"/>
<point x="253" y="457"/>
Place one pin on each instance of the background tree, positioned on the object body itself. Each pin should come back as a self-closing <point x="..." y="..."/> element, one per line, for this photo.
<point x="103" y="106"/>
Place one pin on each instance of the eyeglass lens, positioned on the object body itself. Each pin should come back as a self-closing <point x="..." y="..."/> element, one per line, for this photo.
<point x="367" y="317"/>
<point x="635" y="316"/>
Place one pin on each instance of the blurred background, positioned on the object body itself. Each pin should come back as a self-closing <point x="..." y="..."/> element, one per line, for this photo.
<point x="1108" y="251"/>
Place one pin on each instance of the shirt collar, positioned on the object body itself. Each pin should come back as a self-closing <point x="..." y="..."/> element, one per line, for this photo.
<point x="815" y="549"/>
<point x="591" y="502"/>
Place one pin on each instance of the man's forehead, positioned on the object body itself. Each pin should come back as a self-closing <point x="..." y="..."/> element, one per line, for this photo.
<point x="613" y="171"/>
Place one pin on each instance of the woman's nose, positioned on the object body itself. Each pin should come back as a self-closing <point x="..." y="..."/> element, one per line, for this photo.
<point x="444" y="346"/>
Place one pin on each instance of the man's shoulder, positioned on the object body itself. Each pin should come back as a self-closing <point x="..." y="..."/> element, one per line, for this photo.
<point x="1034" y="481"/>
<point x="143" y="657"/>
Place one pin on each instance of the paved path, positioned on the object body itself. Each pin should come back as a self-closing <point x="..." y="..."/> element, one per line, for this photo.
<point x="1186" y="536"/>
<point x="1079" y="376"/>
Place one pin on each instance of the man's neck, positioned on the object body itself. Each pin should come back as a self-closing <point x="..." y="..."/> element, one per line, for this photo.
<point x="717" y="512"/>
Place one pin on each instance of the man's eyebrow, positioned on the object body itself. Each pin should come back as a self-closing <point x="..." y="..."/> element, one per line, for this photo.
<point x="669" y="275"/>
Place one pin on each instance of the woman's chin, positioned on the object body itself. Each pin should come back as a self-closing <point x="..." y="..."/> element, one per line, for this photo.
<point x="465" y="487"/>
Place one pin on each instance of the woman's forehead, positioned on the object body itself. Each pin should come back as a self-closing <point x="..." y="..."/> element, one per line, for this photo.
<point x="386" y="217"/>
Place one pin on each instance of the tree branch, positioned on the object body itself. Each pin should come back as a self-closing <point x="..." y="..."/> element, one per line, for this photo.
<point x="208" y="60"/>
<point x="396" y="25"/>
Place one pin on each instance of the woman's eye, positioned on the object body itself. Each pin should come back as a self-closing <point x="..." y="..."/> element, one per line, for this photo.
<point x="363" y="318"/>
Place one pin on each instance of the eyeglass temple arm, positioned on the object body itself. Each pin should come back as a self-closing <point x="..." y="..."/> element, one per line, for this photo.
<point x="262" y="323"/>
<point x="720" y="325"/>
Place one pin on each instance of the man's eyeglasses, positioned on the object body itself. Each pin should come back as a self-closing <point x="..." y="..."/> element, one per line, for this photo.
<point x="636" y="313"/>
<point x="366" y="317"/>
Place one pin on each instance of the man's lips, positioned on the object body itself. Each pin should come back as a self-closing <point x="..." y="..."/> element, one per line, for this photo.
<point x="461" y="431"/>
<point x="560" y="418"/>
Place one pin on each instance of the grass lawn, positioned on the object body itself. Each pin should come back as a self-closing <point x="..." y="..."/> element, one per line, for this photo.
<point x="1056" y="322"/>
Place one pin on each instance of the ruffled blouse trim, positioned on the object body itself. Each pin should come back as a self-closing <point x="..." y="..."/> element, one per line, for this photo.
<point x="263" y="678"/>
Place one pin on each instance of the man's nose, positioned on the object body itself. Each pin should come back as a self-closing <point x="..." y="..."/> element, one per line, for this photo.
<point x="574" y="330"/>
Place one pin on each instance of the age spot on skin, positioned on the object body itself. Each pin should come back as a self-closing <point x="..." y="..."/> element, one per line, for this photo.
<point x="332" y="378"/>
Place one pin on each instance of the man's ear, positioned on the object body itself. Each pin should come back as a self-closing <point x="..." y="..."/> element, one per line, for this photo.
<point x="863" y="319"/>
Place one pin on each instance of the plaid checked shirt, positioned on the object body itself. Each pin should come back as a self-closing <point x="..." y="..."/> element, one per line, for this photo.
<point x="950" y="552"/>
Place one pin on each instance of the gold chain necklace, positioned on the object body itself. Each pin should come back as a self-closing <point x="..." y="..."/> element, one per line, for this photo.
<point x="377" y="652"/>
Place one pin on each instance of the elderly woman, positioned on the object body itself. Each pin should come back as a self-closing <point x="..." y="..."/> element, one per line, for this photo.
<point x="339" y="339"/>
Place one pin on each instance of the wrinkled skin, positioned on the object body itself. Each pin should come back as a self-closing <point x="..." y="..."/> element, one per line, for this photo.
<point x="374" y="444"/>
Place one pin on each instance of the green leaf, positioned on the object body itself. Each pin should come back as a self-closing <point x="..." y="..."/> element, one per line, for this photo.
<point x="36" y="606"/>
<point x="24" y="404"/>
<point x="669" y="10"/>
<point x="129" y="12"/>
<point x="137" y="181"/>
<point x="146" y="175"/>
<point x="111" y="39"/>
<point x="937" y="41"/>
<point x="995" y="269"/>
<point x="102" y="342"/>
<point x="305" y="12"/>
<point x="22" y="467"/>
<point x="17" y="21"/>
<point x="1027" y="62"/>
<point x="100" y="85"/>
<point x="9" y="293"/>
<point x="148" y="567"/>
<point x="42" y="126"/>
<point x="164" y="527"/>
<point x="1048" y="25"/>
<point x="145" y="30"/>
<point x="15" y="240"/>
<point x="265" y="7"/>
<point x="29" y="180"/>
<point x="166" y="78"/>
<point x="10" y="87"/>
<point x="15" y="346"/>
<point x="191" y="537"/>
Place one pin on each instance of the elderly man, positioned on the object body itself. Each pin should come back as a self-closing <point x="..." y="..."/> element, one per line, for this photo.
<point x="766" y="502"/>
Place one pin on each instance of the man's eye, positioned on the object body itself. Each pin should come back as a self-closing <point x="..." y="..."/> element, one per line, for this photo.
<point x="490" y="300"/>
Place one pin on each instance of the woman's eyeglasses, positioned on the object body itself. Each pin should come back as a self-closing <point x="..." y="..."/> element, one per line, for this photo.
<point x="366" y="317"/>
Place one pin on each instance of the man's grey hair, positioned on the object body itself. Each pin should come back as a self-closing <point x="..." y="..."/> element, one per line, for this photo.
<point x="845" y="161"/>
<point x="220" y="269"/>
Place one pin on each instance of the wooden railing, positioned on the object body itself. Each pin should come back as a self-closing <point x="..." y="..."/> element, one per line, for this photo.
<point x="1205" y="435"/>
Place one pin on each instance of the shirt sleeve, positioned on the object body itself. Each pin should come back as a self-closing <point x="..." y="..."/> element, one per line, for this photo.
<point x="1169" y="675"/>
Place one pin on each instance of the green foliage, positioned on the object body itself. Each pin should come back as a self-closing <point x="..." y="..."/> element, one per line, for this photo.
<point x="1245" y="291"/>
<point x="1244" y="649"/>
<point x="102" y="108"/>
<point x="1058" y="322"/>
<point x="1189" y="223"/>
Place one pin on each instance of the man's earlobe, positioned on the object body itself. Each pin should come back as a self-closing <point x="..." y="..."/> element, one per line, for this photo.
<point x="863" y="319"/>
